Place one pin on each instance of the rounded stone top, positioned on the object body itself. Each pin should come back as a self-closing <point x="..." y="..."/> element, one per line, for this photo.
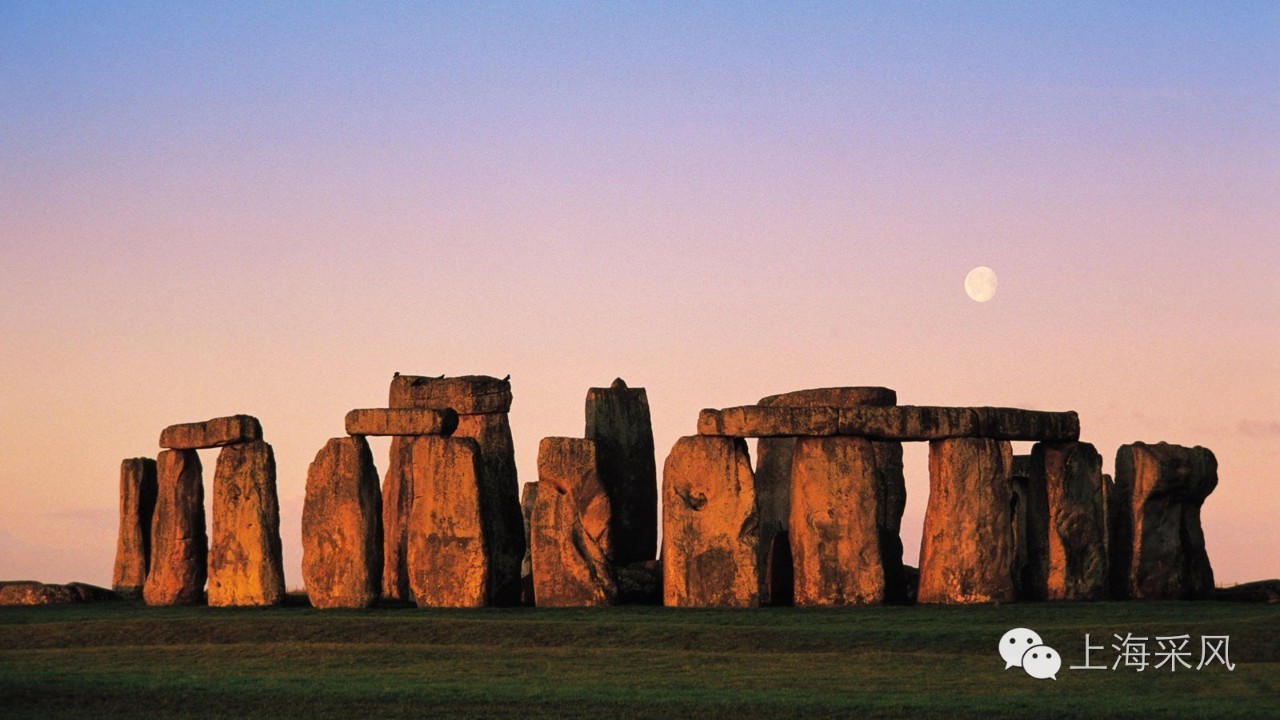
<point x="833" y="397"/>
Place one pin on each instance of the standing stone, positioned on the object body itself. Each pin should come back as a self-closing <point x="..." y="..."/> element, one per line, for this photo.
<point x="528" y="498"/>
<point x="1071" y="474"/>
<point x="499" y="501"/>
<point x="133" y="546"/>
<point x="1169" y="484"/>
<point x="179" y="546"/>
<point x="773" y="480"/>
<point x="1030" y="517"/>
<point x="245" y="567"/>
<point x="710" y="525"/>
<point x="397" y="501"/>
<point x="618" y="421"/>
<point x="1119" y="507"/>
<point x="571" y="538"/>
<point x="342" y="527"/>
<point x="966" y="551"/>
<point x="482" y="403"/>
<point x="847" y="498"/>
<point x="773" y="498"/>
<point x="448" y="562"/>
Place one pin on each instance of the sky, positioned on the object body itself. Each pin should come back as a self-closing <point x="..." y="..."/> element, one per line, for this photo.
<point x="269" y="208"/>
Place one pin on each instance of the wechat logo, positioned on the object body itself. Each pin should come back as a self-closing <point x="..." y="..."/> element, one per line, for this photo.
<point x="1023" y="648"/>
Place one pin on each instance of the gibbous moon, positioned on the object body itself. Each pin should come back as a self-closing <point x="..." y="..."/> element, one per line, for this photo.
<point x="980" y="283"/>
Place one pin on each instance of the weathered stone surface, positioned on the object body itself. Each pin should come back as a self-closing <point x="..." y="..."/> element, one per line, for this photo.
<point x="1071" y="474"/>
<point x="618" y="421"/>
<point x="832" y="397"/>
<point x="342" y="527"/>
<point x="245" y="567"/>
<point x="528" y="497"/>
<point x="397" y="502"/>
<point x="710" y="528"/>
<point x="30" y="592"/>
<point x="757" y="421"/>
<point x="1169" y="484"/>
<point x="905" y="422"/>
<point x="401" y="421"/>
<point x="1029" y="515"/>
<point x="570" y="532"/>
<point x="773" y="481"/>
<point x="133" y="544"/>
<point x="847" y="498"/>
<point x="467" y="395"/>
<point x="447" y="556"/>
<point x="179" y="544"/>
<point x="211" y="433"/>
<point x="966" y="551"/>
<point x="500" y="501"/>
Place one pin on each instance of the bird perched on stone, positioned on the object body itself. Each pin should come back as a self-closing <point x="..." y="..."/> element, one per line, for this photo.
<point x="396" y="374"/>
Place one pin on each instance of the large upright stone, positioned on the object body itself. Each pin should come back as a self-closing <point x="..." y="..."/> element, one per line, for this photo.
<point x="1029" y="513"/>
<point x="342" y="527"/>
<point x="710" y="525"/>
<point x="466" y="395"/>
<point x="571" y="536"/>
<point x="499" y="501"/>
<point x="211" y="433"/>
<point x="397" y="502"/>
<point x="133" y="545"/>
<point x="245" y="567"/>
<point x="1071" y="474"/>
<point x="847" y="498"/>
<point x="528" y="498"/>
<point x="458" y="553"/>
<point x="773" y="480"/>
<point x="1168" y="486"/>
<point x="482" y="403"/>
<point x="618" y="421"/>
<point x="179" y="545"/>
<point x="966" y="551"/>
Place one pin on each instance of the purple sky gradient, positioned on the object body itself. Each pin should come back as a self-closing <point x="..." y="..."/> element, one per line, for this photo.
<point x="269" y="210"/>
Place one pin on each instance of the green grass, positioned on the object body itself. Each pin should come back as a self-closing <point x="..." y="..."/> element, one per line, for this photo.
<point x="126" y="660"/>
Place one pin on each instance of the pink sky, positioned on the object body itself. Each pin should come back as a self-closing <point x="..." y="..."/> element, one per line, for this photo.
<point x="204" y="214"/>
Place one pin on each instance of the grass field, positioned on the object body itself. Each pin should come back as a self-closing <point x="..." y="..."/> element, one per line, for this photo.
<point x="126" y="660"/>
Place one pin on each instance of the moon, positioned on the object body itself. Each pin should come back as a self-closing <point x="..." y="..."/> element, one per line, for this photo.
<point x="980" y="283"/>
